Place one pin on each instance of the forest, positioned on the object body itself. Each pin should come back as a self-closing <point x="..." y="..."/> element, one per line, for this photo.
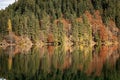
<point x="62" y="22"/>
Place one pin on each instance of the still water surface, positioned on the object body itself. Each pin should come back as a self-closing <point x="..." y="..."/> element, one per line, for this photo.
<point x="60" y="63"/>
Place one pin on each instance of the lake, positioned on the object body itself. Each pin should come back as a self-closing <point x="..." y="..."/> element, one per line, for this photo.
<point x="60" y="63"/>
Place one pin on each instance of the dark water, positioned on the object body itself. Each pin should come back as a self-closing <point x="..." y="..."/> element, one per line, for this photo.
<point x="60" y="63"/>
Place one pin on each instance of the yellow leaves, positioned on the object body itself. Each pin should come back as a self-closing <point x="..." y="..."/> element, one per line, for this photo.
<point x="81" y="39"/>
<point x="9" y="63"/>
<point x="81" y="47"/>
<point x="9" y="25"/>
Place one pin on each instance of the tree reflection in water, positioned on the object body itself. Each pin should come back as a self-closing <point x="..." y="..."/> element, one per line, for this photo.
<point x="57" y="63"/>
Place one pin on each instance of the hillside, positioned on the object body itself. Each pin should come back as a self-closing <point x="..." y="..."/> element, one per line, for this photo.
<point x="73" y="21"/>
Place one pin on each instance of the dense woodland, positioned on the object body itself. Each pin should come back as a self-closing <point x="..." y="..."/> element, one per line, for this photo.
<point x="59" y="20"/>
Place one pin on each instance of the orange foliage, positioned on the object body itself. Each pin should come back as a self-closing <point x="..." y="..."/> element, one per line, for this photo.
<point x="50" y="50"/>
<point x="96" y="65"/>
<point x="67" y="61"/>
<point x="79" y="19"/>
<point x="80" y="67"/>
<point x="97" y="24"/>
<point x="95" y="20"/>
<point x="66" y="24"/>
<point x="50" y="38"/>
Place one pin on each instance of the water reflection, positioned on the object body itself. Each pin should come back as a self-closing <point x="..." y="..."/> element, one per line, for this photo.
<point x="57" y="62"/>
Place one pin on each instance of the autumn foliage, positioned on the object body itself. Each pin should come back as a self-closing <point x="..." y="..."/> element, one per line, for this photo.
<point x="106" y="32"/>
